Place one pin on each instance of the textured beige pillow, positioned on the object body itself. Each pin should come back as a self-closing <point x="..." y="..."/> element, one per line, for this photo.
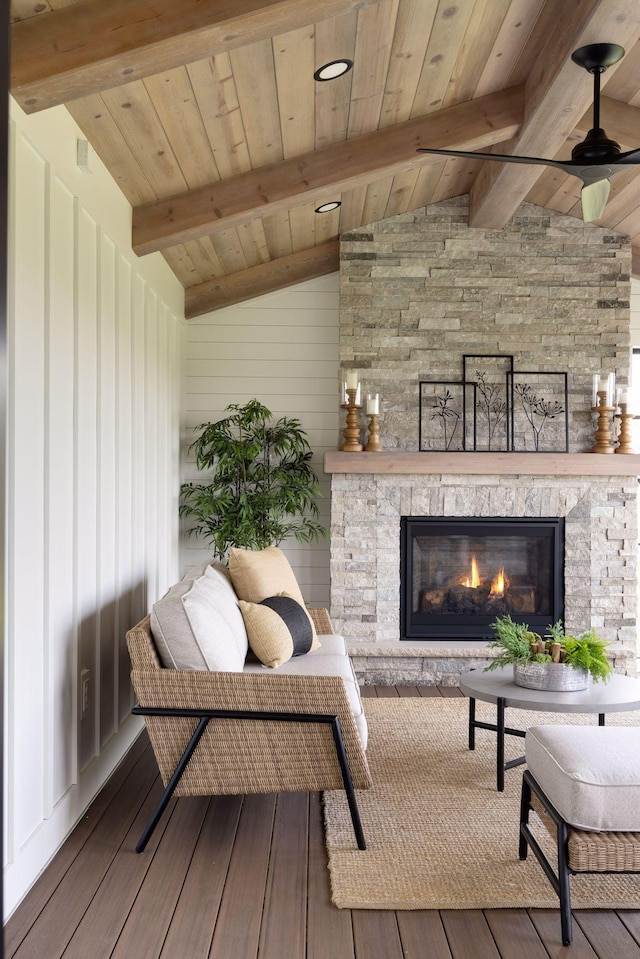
<point x="278" y="628"/>
<point x="256" y="574"/>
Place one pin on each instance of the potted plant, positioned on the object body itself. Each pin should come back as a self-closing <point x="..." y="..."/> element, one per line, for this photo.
<point x="261" y="488"/>
<point x="558" y="661"/>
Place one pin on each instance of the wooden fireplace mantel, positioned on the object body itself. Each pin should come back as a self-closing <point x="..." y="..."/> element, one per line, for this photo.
<point x="523" y="464"/>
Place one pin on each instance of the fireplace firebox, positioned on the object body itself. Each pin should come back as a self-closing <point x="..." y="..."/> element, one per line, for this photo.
<point x="458" y="574"/>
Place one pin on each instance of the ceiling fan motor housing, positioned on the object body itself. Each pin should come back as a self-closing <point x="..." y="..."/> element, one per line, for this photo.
<point x="596" y="146"/>
<point x="596" y="57"/>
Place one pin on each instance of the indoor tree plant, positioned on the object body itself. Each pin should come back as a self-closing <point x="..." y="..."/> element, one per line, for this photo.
<point x="261" y="487"/>
<point x="558" y="661"/>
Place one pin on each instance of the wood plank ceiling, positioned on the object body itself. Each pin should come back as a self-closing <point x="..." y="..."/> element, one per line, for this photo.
<point x="207" y="115"/>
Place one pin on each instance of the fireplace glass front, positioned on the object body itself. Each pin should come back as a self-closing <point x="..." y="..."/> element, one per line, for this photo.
<point x="457" y="575"/>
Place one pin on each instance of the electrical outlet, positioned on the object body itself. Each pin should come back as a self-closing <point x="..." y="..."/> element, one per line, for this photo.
<point x="85" y="692"/>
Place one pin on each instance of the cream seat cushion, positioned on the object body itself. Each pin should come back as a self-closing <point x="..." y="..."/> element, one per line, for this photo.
<point x="591" y="774"/>
<point x="326" y="663"/>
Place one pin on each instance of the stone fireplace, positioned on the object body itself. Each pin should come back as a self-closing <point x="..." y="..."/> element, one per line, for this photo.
<point x="370" y="493"/>
<point x="417" y="292"/>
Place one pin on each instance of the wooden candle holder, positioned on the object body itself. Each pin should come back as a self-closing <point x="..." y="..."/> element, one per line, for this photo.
<point x="351" y="431"/>
<point x="625" y="444"/>
<point x="373" y="440"/>
<point x="603" y="438"/>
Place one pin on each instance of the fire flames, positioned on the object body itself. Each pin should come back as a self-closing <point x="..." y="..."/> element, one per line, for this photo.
<point x="474" y="579"/>
<point x="499" y="583"/>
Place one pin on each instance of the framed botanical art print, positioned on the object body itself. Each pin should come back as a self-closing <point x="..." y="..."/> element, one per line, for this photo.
<point x="490" y="429"/>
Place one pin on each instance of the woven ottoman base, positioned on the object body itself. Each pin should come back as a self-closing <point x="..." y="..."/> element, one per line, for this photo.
<point x="563" y="776"/>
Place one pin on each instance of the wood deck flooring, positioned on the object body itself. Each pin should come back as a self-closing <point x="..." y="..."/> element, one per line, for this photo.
<point x="246" y="878"/>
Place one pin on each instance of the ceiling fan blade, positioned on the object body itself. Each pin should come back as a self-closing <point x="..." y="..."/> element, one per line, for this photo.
<point x="500" y="157"/>
<point x="594" y="198"/>
<point x="631" y="156"/>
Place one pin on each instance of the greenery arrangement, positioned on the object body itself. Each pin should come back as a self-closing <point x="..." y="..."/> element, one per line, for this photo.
<point x="262" y="487"/>
<point x="517" y="644"/>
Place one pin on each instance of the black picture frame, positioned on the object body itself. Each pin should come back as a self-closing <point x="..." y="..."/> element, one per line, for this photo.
<point x="489" y="374"/>
<point x="539" y="411"/>
<point x="444" y="411"/>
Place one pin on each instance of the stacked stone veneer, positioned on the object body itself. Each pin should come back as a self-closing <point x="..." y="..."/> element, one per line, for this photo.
<point x="600" y="560"/>
<point x="417" y="292"/>
<point x="420" y="290"/>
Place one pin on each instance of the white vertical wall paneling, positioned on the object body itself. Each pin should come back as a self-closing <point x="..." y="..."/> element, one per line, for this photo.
<point x="8" y="824"/>
<point x="86" y="466"/>
<point x="93" y="394"/>
<point x="26" y="491"/>
<point x="107" y="468"/>
<point x="124" y="509"/>
<point x="635" y="312"/>
<point x="151" y="441"/>
<point x="61" y="630"/>
<point x="177" y="368"/>
<point x="140" y="466"/>
<point x="162" y="451"/>
<point x="282" y="349"/>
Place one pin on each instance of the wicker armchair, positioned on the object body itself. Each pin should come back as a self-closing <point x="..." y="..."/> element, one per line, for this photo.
<point x="216" y="733"/>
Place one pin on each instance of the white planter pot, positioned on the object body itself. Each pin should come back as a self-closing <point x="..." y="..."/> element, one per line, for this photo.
<point x="554" y="677"/>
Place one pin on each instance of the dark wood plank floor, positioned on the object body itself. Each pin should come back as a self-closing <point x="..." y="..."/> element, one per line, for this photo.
<point x="241" y="878"/>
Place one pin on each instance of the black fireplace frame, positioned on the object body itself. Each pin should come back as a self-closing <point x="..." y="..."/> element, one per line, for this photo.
<point x="426" y="626"/>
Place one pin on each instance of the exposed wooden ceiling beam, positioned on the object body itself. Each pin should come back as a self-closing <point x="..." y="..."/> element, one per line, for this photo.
<point x="474" y="125"/>
<point x="557" y="93"/>
<point x="620" y="120"/>
<point x="264" y="278"/>
<point x="93" y="46"/>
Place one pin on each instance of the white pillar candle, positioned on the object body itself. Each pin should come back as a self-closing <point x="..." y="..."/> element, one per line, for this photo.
<point x="352" y="379"/>
<point x="622" y="396"/>
<point x="373" y="403"/>
<point x="358" y="395"/>
<point x="596" y="387"/>
<point x="632" y="399"/>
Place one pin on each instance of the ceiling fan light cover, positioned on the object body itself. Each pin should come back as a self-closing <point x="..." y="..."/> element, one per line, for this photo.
<point x="594" y="198"/>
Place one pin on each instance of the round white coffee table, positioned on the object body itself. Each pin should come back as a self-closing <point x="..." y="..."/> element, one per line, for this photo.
<point x="621" y="693"/>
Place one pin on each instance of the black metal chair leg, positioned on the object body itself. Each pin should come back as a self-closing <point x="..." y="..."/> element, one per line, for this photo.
<point x="348" y="783"/>
<point x="472" y="723"/>
<point x="253" y="715"/>
<point x="171" y="785"/>
<point x="564" y="890"/>
<point x="525" y="806"/>
<point x="560" y="879"/>
<point x="500" y="743"/>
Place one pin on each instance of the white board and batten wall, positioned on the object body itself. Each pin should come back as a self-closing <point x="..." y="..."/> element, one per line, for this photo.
<point x="95" y="387"/>
<point x="281" y="349"/>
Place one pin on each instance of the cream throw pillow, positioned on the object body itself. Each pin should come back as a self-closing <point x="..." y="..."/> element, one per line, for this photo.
<point x="256" y="574"/>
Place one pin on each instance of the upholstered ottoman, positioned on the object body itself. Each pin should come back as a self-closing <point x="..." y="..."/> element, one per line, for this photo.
<point x="584" y="782"/>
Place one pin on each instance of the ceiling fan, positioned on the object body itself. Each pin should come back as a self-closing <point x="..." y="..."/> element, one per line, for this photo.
<point x="593" y="160"/>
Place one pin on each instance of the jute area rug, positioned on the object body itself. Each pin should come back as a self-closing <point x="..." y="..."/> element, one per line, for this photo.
<point x="439" y="835"/>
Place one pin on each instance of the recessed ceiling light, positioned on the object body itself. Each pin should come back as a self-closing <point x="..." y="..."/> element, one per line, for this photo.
<point x="328" y="207"/>
<point x="332" y="70"/>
